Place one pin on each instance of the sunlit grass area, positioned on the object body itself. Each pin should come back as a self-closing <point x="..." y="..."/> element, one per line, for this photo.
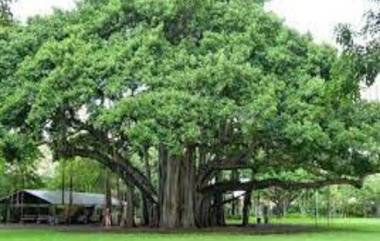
<point x="337" y="230"/>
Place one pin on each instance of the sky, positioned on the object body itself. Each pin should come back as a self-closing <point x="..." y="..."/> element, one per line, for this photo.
<point x="319" y="17"/>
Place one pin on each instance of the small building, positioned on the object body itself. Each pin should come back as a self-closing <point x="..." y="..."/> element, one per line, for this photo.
<point x="54" y="207"/>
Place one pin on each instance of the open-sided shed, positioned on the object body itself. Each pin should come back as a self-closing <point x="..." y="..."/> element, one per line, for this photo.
<point x="54" y="206"/>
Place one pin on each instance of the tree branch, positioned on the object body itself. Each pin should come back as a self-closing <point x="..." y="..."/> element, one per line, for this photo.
<point x="273" y="182"/>
<point x="131" y="174"/>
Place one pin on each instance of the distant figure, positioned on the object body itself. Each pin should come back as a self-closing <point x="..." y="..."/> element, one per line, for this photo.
<point x="258" y="214"/>
<point x="51" y="220"/>
<point x="124" y="211"/>
<point x="107" y="218"/>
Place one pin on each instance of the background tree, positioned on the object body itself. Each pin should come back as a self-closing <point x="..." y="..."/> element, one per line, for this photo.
<point x="87" y="176"/>
<point x="5" y="12"/>
<point x="18" y="159"/>
<point x="362" y="46"/>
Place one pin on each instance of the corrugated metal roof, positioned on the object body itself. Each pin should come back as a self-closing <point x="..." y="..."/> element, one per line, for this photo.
<point x="80" y="199"/>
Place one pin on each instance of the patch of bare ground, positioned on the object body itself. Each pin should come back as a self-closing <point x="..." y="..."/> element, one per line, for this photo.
<point x="231" y="229"/>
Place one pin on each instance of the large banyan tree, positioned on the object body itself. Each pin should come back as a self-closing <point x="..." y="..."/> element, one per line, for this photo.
<point x="194" y="89"/>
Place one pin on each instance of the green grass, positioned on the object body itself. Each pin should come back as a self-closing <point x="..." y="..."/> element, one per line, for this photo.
<point x="338" y="230"/>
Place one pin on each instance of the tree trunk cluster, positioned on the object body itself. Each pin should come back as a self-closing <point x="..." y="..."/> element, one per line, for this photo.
<point x="191" y="187"/>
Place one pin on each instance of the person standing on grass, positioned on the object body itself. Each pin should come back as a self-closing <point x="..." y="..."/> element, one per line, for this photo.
<point x="107" y="217"/>
<point x="123" y="220"/>
<point x="258" y="213"/>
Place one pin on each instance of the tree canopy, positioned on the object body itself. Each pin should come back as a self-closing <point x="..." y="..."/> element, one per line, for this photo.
<point x="210" y="85"/>
<point x="5" y="12"/>
<point x="363" y="44"/>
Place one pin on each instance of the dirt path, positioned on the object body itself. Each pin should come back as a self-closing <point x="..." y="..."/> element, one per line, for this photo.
<point x="252" y="229"/>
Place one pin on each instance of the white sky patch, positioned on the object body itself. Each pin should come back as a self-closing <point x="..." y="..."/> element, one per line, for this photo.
<point x="372" y="93"/>
<point x="316" y="16"/>
<point x="319" y="17"/>
<point x="23" y="9"/>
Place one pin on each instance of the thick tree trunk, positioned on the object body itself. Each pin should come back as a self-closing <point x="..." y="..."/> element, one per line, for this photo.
<point x="203" y="210"/>
<point x="162" y="160"/>
<point x="235" y="203"/>
<point x="176" y="190"/>
<point x="285" y="205"/>
<point x="218" y="211"/>
<point x="130" y="218"/>
<point x="171" y="197"/>
<point x="149" y="214"/>
<point x="145" y="210"/>
<point x="202" y="202"/>
<point x="246" y="208"/>
<point x="147" y="164"/>
<point x="218" y="218"/>
<point x="187" y="190"/>
<point x="108" y="189"/>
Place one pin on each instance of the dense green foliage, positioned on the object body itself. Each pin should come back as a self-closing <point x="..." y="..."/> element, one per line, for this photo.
<point x="333" y="201"/>
<point x="5" y="12"/>
<point x="18" y="159"/>
<point x="363" y="46"/>
<point x="78" y="174"/>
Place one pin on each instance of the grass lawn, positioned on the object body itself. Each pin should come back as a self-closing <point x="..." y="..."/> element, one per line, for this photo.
<point x="339" y="230"/>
